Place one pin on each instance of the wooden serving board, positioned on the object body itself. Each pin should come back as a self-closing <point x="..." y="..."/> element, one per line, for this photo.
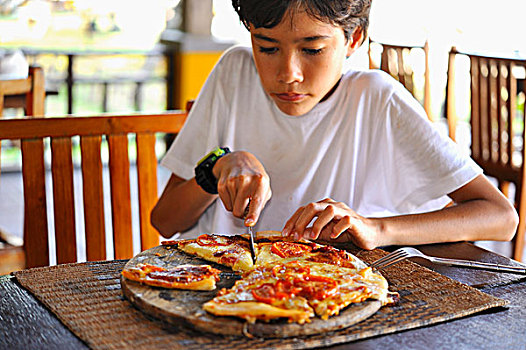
<point x="183" y="307"/>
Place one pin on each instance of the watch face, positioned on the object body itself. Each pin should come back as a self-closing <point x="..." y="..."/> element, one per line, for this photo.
<point x="214" y="155"/>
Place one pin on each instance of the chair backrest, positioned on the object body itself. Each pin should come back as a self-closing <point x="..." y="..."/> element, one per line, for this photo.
<point x="496" y="84"/>
<point x="27" y="93"/>
<point x="497" y="127"/>
<point x="395" y="60"/>
<point x="61" y="134"/>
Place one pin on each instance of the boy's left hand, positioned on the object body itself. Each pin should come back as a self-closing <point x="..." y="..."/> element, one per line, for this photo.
<point x="333" y="221"/>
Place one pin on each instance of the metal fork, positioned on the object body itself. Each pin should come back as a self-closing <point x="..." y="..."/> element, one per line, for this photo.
<point x="408" y="252"/>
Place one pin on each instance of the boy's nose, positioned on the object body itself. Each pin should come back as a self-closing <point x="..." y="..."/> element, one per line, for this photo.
<point x="290" y="70"/>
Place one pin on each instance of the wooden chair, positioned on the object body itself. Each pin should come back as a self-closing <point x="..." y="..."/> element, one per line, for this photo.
<point x="497" y="128"/>
<point x="29" y="94"/>
<point x="394" y="59"/>
<point x="34" y="133"/>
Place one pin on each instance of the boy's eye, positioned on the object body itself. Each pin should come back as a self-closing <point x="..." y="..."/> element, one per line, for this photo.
<point x="312" y="51"/>
<point x="267" y="50"/>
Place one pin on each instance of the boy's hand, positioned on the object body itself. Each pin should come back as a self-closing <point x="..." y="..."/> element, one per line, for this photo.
<point x="333" y="221"/>
<point x="242" y="178"/>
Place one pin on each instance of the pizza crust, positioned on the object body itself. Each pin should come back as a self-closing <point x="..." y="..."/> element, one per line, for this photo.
<point x="142" y="274"/>
<point x="252" y="311"/>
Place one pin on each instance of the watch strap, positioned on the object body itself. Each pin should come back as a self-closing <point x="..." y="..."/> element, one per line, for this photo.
<point x="203" y="171"/>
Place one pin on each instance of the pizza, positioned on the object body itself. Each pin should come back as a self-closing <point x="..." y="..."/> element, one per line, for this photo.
<point x="231" y="251"/>
<point x="194" y="277"/>
<point x="292" y="280"/>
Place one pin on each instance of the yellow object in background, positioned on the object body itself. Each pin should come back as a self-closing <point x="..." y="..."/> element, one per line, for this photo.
<point x="191" y="71"/>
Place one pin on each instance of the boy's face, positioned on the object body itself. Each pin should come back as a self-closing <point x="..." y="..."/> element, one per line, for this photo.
<point x="300" y="60"/>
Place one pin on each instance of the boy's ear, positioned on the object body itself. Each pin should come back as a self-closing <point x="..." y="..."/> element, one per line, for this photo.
<point x="355" y="41"/>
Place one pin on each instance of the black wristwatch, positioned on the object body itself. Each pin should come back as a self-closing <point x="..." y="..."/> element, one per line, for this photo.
<point x="203" y="171"/>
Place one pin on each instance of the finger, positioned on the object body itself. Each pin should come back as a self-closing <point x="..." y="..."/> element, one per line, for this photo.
<point x="259" y="196"/>
<point x="289" y="225"/>
<point x="308" y="234"/>
<point x="341" y="226"/>
<point x="324" y="218"/>
<point x="242" y="195"/>
<point x="310" y="212"/>
<point x="240" y="205"/>
<point x="325" y="233"/>
<point x="254" y="209"/>
<point x="224" y="194"/>
<point x="326" y="200"/>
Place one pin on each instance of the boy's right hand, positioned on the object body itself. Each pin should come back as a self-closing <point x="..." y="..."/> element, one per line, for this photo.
<point x="242" y="178"/>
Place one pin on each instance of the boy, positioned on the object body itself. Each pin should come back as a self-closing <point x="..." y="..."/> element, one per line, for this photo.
<point x="328" y="155"/>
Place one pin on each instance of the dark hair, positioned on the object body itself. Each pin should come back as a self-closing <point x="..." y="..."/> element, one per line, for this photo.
<point x="347" y="14"/>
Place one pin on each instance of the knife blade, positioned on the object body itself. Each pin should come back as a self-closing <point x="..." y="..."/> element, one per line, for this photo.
<point x="251" y="234"/>
<point x="252" y="247"/>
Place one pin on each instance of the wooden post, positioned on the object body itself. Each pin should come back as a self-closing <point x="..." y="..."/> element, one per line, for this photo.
<point x="427" y="83"/>
<point x="70" y="80"/>
<point x="451" y="113"/>
<point x="197" y="17"/>
<point x="35" y="99"/>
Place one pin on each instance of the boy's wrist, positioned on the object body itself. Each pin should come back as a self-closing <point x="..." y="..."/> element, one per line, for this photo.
<point x="204" y="175"/>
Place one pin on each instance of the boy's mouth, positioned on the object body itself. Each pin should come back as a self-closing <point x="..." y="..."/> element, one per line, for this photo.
<point x="290" y="96"/>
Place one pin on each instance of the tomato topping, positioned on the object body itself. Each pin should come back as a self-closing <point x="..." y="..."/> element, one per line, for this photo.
<point x="265" y="293"/>
<point x="289" y="249"/>
<point x="269" y="292"/>
<point x="316" y="287"/>
<point x="289" y="269"/>
<point x="149" y="268"/>
<point x="286" y="289"/>
<point x="208" y="240"/>
<point x="307" y="286"/>
<point x="332" y="258"/>
<point x="228" y="260"/>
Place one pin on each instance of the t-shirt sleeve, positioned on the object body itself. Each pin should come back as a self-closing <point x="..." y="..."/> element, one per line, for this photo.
<point x="204" y="126"/>
<point x="423" y="164"/>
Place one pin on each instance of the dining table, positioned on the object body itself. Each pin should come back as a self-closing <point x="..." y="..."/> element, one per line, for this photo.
<point x="82" y="306"/>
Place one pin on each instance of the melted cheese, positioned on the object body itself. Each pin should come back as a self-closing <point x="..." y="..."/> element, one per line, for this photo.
<point x="354" y="280"/>
<point x="232" y="255"/>
<point x="180" y="277"/>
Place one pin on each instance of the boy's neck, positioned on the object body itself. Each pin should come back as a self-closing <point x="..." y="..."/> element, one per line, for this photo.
<point x="332" y="90"/>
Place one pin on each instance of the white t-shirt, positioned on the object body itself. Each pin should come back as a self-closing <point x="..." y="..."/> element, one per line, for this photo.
<point x="369" y="145"/>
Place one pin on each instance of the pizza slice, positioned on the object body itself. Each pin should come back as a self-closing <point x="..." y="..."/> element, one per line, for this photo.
<point x="298" y="290"/>
<point x="282" y="251"/>
<point x="194" y="277"/>
<point x="259" y="295"/>
<point x="330" y="288"/>
<point x="231" y="251"/>
<point x="273" y="248"/>
<point x="343" y="286"/>
<point x="326" y="254"/>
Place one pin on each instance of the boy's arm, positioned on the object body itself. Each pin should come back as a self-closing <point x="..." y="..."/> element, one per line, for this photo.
<point x="180" y="206"/>
<point x="480" y="212"/>
<point x="241" y="178"/>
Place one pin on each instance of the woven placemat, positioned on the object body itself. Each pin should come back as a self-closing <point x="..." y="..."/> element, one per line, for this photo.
<point x="87" y="298"/>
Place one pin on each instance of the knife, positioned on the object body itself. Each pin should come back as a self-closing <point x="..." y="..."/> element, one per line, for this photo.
<point x="251" y="234"/>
